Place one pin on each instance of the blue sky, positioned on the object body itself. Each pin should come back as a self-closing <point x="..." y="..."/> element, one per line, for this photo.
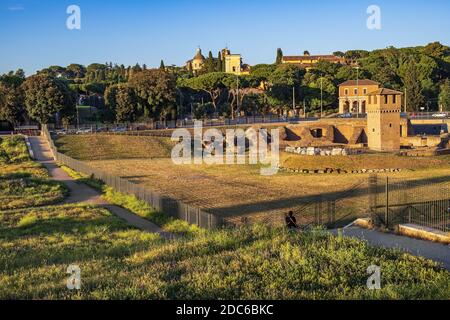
<point x="33" y="33"/>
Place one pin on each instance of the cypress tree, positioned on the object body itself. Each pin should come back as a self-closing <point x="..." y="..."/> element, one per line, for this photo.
<point x="219" y="62"/>
<point x="279" y="56"/>
<point x="414" y="97"/>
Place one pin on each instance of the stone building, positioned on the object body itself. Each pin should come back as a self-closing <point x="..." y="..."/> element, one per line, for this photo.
<point x="196" y="64"/>
<point x="353" y="93"/>
<point x="383" y="120"/>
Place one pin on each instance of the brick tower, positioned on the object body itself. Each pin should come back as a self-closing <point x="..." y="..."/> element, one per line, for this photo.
<point x="383" y="120"/>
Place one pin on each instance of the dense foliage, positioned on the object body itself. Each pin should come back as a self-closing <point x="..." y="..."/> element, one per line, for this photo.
<point x="171" y="92"/>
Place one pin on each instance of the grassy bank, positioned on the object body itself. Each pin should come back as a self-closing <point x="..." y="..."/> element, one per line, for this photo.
<point x="138" y="207"/>
<point x="118" y="262"/>
<point x="37" y="245"/>
<point x="24" y="183"/>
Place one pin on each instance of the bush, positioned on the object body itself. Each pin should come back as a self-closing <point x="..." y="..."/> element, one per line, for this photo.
<point x="13" y="150"/>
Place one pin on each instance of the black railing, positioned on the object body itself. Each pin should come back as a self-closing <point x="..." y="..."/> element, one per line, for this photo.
<point x="396" y="201"/>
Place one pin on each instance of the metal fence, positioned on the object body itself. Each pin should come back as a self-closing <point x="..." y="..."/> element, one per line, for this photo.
<point x="396" y="201"/>
<point x="390" y="201"/>
<point x="167" y="205"/>
<point x="184" y="123"/>
<point x="332" y="210"/>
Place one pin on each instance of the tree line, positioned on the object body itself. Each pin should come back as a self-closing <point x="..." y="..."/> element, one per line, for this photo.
<point x="135" y="93"/>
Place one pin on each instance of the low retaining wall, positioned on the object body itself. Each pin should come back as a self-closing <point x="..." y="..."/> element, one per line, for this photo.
<point x="424" y="233"/>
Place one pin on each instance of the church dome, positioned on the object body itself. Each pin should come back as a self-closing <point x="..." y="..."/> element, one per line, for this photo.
<point x="199" y="56"/>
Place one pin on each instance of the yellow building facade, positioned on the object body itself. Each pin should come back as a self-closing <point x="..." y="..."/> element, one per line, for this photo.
<point x="233" y="63"/>
<point x="309" y="61"/>
<point x="383" y="120"/>
<point x="354" y="94"/>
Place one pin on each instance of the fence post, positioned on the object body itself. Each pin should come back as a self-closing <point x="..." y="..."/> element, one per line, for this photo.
<point x="386" y="218"/>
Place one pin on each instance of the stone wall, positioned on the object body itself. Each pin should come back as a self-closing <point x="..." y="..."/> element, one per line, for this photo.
<point x="314" y="151"/>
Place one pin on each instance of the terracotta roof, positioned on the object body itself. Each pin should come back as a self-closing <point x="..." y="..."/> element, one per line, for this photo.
<point x="384" y="91"/>
<point x="198" y="55"/>
<point x="316" y="57"/>
<point x="362" y="82"/>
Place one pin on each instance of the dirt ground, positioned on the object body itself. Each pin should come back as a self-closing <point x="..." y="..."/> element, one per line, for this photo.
<point x="240" y="190"/>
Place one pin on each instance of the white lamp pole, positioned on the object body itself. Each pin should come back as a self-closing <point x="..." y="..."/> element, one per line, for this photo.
<point x="321" y="96"/>
<point x="357" y="90"/>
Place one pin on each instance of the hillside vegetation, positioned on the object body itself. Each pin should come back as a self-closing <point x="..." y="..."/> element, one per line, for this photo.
<point x="118" y="262"/>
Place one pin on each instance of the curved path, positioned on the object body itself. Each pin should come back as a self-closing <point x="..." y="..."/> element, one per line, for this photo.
<point x="83" y="194"/>
<point x="427" y="249"/>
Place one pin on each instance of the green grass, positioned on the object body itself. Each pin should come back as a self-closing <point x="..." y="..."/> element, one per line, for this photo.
<point x="24" y="183"/>
<point x="138" y="207"/>
<point x="13" y="150"/>
<point x="37" y="245"/>
<point x="22" y="191"/>
<point x="119" y="262"/>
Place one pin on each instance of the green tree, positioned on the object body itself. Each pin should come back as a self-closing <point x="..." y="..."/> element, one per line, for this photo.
<point x="320" y="86"/>
<point x="248" y="85"/>
<point x="126" y="104"/>
<point x="444" y="96"/>
<point x="210" y="64"/>
<point x="45" y="96"/>
<point x="414" y="96"/>
<point x="74" y="71"/>
<point x="11" y="103"/>
<point x="211" y="83"/>
<point x="110" y="97"/>
<point x="279" y="59"/>
<point x="436" y="50"/>
<point x="263" y="71"/>
<point x="156" y="92"/>
<point x="161" y="66"/>
<point x="220" y="67"/>
<point x="12" y="78"/>
<point x="285" y="80"/>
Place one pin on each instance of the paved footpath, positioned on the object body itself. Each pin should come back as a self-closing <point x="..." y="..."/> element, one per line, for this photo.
<point x="83" y="194"/>
<point x="427" y="249"/>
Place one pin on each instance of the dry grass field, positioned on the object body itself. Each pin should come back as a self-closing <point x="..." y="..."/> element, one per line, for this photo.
<point x="240" y="190"/>
<point x="97" y="147"/>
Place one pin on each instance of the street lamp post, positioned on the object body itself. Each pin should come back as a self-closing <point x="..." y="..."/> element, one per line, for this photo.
<point x="78" y="119"/>
<point x="304" y="108"/>
<point x="357" y="90"/>
<point x="237" y="95"/>
<point x="321" y="96"/>
<point x="293" y="100"/>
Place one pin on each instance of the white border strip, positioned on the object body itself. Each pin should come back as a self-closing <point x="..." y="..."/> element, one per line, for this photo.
<point x="30" y="150"/>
